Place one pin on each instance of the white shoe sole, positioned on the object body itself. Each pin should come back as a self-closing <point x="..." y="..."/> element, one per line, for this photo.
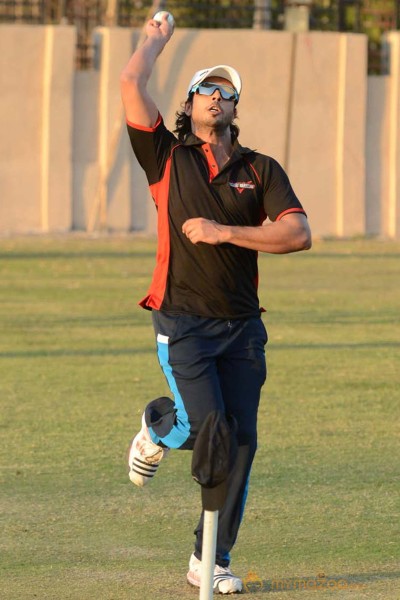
<point x="140" y="471"/>
<point x="237" y="588"/>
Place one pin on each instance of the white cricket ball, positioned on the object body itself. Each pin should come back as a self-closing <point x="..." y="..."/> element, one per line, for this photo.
<point x="161" y="13"/>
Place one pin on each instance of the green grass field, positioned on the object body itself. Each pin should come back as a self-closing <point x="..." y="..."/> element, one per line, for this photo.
<point x="78" y="365"/>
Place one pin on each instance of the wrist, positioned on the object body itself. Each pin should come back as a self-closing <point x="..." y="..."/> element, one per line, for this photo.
<point x="226" y="233"/>
<point x="155" y="44"/>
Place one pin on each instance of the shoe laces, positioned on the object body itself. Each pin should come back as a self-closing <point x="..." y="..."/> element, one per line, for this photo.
<point x="223" y="571"/>
<point x="150" y="451"/>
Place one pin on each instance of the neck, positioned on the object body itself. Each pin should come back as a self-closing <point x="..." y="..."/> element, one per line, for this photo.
<point x="219" y="140"/>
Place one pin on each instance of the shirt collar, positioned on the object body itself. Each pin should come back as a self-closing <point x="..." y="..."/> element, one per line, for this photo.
<point x="192" y="140"/>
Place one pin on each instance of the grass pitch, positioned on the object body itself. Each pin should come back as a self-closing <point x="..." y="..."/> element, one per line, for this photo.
<point x="78" y="364"/>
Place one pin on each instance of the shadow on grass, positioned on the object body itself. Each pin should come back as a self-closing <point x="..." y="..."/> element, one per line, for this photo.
<point x="253" y="584"/>
<point x="56" y="255"/>
<point x="355" y="345"/>
<point x="134" y="318"/>
<point x="61" y="352"/>
<point x="89" y="352"/>
<point x="345" y="255"/>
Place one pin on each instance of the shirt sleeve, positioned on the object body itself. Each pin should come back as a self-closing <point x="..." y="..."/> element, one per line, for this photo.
<point x="279" y="196"/>
<point x="152" y="147"/>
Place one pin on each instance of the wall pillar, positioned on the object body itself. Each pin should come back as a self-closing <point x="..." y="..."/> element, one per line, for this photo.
<point x="351" y="135"/>
<point x="56" y="138"/>
<point x="111" y="205"/>
<point x="391" y="207"/>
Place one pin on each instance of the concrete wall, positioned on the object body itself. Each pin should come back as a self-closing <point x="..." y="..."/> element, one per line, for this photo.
<point x="326" y="130"/>
<point x="382" y="197"/>
<point x="391" y="124"/>
<point x="85" y="134"/>
<point x="20" y="140"/>
<point x="102" y="181"/>
<point x="376" y="153"/>
<point x="36" y="72"/>
<point x="65" y="160"/>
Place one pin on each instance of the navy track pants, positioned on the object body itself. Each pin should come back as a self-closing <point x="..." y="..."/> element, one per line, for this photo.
<point x="211" y="364"/>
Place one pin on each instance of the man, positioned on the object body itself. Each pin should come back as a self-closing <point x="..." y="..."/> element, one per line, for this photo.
<point x="213" y="197"/>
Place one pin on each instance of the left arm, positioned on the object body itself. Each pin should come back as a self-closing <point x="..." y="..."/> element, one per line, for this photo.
<point x="291" y="234"/>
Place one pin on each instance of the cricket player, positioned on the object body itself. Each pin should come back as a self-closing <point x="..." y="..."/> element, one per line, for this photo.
<point x="218" y="204"/>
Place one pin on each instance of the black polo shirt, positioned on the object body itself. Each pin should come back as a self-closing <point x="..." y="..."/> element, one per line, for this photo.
<point x="185" y="182"/>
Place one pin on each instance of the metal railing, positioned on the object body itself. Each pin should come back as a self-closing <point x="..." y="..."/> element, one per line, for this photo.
<point x="372" y="17"/>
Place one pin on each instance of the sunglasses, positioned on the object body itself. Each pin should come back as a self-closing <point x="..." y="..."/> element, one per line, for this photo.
<point x="207" y="89"/>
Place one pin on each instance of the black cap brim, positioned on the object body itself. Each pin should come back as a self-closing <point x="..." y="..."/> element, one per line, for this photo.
<point x="214" y="498"/>
<point x="214" y="454"/>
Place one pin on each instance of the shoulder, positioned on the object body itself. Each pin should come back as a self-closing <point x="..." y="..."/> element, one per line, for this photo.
<point x="156" y="136"/>
<point x="158" y="127"/>
<point x="266" y="166"/>
<point x="254" y="156"/>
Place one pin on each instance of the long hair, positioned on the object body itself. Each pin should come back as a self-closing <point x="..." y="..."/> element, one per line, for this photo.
<point x="183" y="124"/>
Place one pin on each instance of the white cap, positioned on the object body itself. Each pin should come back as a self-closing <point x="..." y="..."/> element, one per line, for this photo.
<point x="224" y="71"/>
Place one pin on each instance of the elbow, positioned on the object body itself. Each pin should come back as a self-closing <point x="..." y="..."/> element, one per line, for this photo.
<point x="127" y="78"/>
<point x="303" y="240"/>
<point x="307" y="242"/>
<point x="298" y="232"/>
<point x="305" y="237"/>
<point x="131" y="80"/>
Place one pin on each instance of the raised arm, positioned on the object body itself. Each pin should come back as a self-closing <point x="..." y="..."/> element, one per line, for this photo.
<point x="139" y="106"/>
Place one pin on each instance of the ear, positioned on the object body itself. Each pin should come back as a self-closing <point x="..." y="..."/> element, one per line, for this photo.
<point x="235" y="113"/>
<point x="188" y="108"/>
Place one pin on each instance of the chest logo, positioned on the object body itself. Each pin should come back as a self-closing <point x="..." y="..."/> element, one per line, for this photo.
<point x="242" y="185"/>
